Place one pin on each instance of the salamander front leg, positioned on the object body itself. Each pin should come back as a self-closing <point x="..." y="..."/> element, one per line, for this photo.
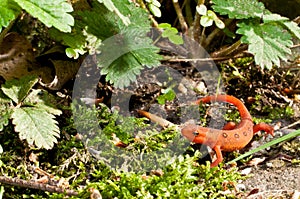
<point x="229" y="126"/>
<point x="219" y="159"/>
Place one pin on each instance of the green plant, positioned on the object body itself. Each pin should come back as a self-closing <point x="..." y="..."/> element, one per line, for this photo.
<point x="117" y="29"/>
<point x="182" y="178"/>
<point x="171" y="33"/>
<point x="51" y="13"/>
<point x="31" y="110"/>
<point x="268" y="35"/>
<point x="167" y="95"/>
<point x="154" y="6"/>
<point x="208" y="17"/>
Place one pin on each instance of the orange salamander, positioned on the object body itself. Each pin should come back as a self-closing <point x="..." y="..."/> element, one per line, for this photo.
<point x="232" y="137"/>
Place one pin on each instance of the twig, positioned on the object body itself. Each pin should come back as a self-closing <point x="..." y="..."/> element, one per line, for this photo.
<point x="228" y="50"/>
<point x="36" y="185"/>
<point x="171" y="59"/>
<point x="291" y="125"/>
<point x="181" y="19"/>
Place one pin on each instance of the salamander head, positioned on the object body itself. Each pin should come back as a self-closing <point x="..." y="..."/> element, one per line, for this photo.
<point x="193" y="133"/>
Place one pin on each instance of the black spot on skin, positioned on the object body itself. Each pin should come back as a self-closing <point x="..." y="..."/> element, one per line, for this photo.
<point x="225" y="135"/>
<point x="236" y="135"/>
<point x="245" y="133"/>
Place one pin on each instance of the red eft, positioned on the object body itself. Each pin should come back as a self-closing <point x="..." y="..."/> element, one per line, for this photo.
<point x="232" y="137"/>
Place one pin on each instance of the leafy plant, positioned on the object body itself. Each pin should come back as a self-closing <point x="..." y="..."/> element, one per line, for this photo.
<point x="171" y="33"/>
<point x="154" y="6"/>
<point x="51" y="13"/>
<point x="269" y="35"/>
<point x="168" y="95"/>
<point x="125" y="48"/>
<point x="31" y="110"/>
<point x="208" y="17"/>
<point x="182" y="177"/>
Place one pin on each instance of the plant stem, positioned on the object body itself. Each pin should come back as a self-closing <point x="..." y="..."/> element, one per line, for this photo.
<point x="227" y="51"/>
<point x="214" y="33"/>
<point x="195" y="33"/>
<point x="188" y="12"/>
<point x="181" y="19"/>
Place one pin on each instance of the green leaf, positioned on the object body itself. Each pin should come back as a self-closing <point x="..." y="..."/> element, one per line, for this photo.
<point x="8" y="12"/>
<point x="206" y="21"/>
<point x="43" y="100"/>
<point x="71" y="53"/>
<point x="169" y="32"/>
<point x="219" y="23"/>
<point x="125" y="50"/>
<point x="5" y="110"/>
<point x="155" y="10"/>
<point x="75" y="40"/>
<point x="17" y="90"/>
<point x="51" y="13"/>
<point x="239" y="9"/>
<point x="36" y="126"/>
<point x="164" y="25"/>
<point x="169" y="95"/>
<point x="201" y="9"/>
<point x="112" y="8"/>
<point x="156" y="3"/>
<point x="292" y="27"/>
<point x="176" y="39"/>
<point x="267" y="42"/>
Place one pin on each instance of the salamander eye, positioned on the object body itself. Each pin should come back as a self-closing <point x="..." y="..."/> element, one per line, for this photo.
<point x="195" y="133"/>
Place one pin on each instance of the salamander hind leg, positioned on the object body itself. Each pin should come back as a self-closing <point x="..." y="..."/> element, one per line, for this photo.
<point x="265" y="127"/>
<point x="219" y="159"/>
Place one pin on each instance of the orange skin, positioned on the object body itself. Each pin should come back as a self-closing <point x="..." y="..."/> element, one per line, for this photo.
<point x="232" y="137"/>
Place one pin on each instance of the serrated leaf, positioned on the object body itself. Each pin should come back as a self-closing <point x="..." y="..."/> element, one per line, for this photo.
<point x="51" y="13"/>
<point x="112" y="8"/>
<point x="8" y="12"/>
<point x="239" y="9"/>
<point x="125" y="50"/>
<point x="5" y="110"/>
<point x="36" y="126"/>
<point x="267" y="42"/>
<point x="17" y="90"/>
<point x="292" y="27"/>
<point x="43" y="100"/>
<point x="123" y="56"/>
<point x="75" y="40"/>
